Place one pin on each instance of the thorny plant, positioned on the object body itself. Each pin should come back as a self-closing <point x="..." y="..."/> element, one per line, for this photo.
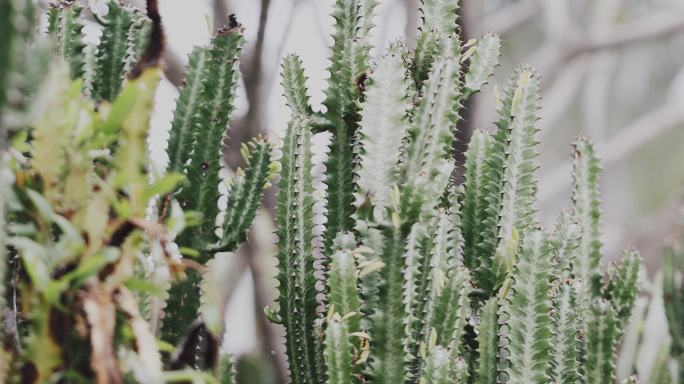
<point x="424" y="281"/>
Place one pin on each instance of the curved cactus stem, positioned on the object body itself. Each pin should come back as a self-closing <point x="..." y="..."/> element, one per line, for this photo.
<point x="482" y="64"/>
<point x="431" y="280"/>
<point x="488" y="339"/>
<point x="494" y="186"/>
<point x="112" y="52"/>
<point x="389" y="329"/>
<point x="294" y="83"/>
<point x="565" y="331"/>
<point x="451" y="309"/>
<point x="66" y="25"/>
<point x="626" y="288"/>
<point x="473" y="212"/>
<point x="585" y="198"/>
<point x="201" y="193"/>
<point x="529" y="323"/>
<point x="428" y="167"/>
<point x="338" y="351"/>
<point x="438" y="366"/>
<point x="342" y="282"/>
<point x="138" y="39"/>
<point x="564" y="242"/>
<point x="518" y="184"/>
<point x="601" y="335"/>
<point x="381" y="131"/>
<point x="245" y="195"/>
<point x="295" y="258"/>
<point x="440" y="15"/>
<point x="226" y="368"/>
<point x="184" y="126"/>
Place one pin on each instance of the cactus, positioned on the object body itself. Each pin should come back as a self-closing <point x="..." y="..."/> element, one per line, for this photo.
<point x="77" y="208"/>
<point x="457" y="283"/>
<point x="421" y="280"/>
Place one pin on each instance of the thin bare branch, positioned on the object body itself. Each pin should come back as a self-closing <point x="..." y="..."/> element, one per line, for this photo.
<point x="629" y="140"/>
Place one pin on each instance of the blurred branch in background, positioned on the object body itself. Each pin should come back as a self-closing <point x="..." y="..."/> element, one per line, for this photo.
<point x="606" y="66"/>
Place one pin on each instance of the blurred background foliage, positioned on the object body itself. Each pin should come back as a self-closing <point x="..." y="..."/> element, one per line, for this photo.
<point x="612" y="70"/>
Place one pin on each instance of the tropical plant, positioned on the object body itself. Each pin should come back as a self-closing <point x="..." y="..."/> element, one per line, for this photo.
<point x="92" y="246"/>
<point x="426" y="281"/>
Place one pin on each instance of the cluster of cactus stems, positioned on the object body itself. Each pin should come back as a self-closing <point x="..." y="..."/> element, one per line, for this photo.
<point x="426" y="281"/>
<point x="106" y="275"/>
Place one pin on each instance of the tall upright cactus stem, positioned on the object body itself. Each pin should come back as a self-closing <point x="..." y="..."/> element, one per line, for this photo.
<point x="565" y="330"/>
<point x="519" y="185"/>
<point x="482" y="64"/>
<point x="529" y="323"/>
<point x="66" y="25"/>
<point x="438" y="368"/>
<point x="382" y="130"/>
<point x="200" y="192"/>
<point x="473" y="212"/>
<point x="496" y="159"/>
<point x="585" y="197"/>
<point x="185" y="126"/>
<point x="565" y="240"/>
<point x="601" y="335"/>
<point x="338" y="351"/>
<point x="488" y="339"/>
<point x="343" y="295"/>
<point x="389" y="329"/>
<point x="220" y="82"/>
<point x="295" y="258"/>
<point x="624" y="294"/>
<point x="112" y="52"/>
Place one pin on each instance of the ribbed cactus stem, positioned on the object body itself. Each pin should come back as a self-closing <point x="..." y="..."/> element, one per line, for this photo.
<point x="338" y="351"/>
<point x="295" y="258"/>
<point x="565" y="333"/>
<point x="529" y="323"/>
<point x="586" y="210"/>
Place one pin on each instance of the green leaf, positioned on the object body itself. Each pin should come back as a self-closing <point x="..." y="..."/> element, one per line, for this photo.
<point x="163" y="186"/>
<point x="144" y="286"/>
<point x="482" y="64"/>
<point x="297" y="289"/>
<point x="34" y="257"/>
<point x="42" y="206"/>
<point x="529" y="322"/>
<point x="184" y="126"/>
<point x="585" y="198"/>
